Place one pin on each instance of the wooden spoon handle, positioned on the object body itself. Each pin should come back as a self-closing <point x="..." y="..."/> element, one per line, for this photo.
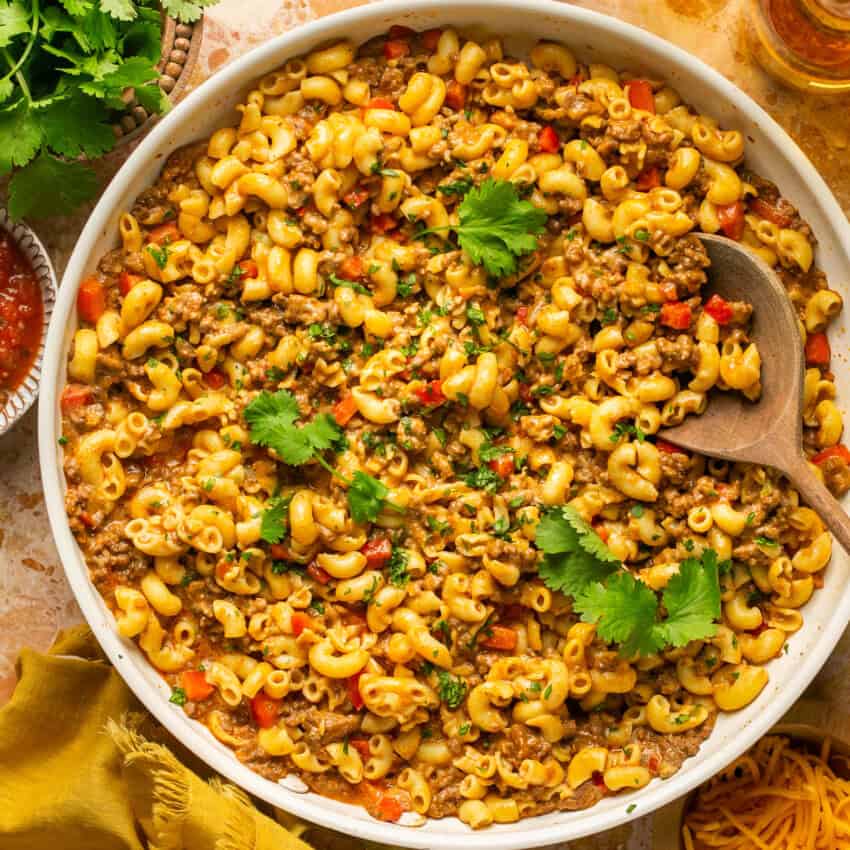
<point x="815" y="494"/>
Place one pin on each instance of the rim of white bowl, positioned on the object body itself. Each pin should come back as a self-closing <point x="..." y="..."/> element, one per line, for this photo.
<point x="310" y="806"/>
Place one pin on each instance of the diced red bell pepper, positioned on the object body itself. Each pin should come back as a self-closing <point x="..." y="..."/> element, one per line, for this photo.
<point x="353" y="685"/>
<point x="548" y="140"/>
<point x="361" y="745"/>
<point x="522" y="315"/>
<point x="164" y="233"/>
<point x="378" y="552"/>
<point x="265" y="710"/>
<point x="91" y="299"/>
<point x="344" y="409"/>
<point x="389" y="806"/>
<point x="74" y="396"/>
<point x="676" y="315"/>
<point x="395" y="48"/>
<point x="649" y="178"/>
<point x="215" y="379"/>
<point x="127" y="280"/>
<point x="380" y="103"/>
<point x="818" y="352"/>
<point x="598" y="779"/>
<point x="602" y="532"/>
<point x="431" y="394"/>
<point x="431" y="38"/>
<point x="653" y="764"/>
<point x="719" y="309"/>
<point x="382" y="223"/>
<point x="840" y="451"/>
<point x="355" y="198"/>
<point x="318" y="574"/>
<point x="248" y="268"/>
<point x="87" y="519"/>
<point x="500" y="637"/>
<point x="770" y="212"/>
<point x="640" y="95"/>
<point x="503" y="465"/>
<point x="731" y="218"/>
<point x="195" y="685"/>
<point x="352" y="268"/>
<point x="301" y="621"/>
<point x="455" y="95"/>
<point x="668" y="448"/>
<point x="280" y="552"/>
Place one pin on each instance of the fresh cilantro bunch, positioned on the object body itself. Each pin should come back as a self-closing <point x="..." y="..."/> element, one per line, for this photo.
<point x="65" y="67"/>
<point x="272" y="419"/>
<point x="496" y="226"/>
<point x="578" y="563"/>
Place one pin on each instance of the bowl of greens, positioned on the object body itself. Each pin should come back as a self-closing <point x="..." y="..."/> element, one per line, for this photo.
<point x="79" y="78"/>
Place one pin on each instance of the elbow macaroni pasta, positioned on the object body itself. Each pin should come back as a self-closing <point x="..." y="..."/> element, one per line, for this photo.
<point x="422" y="650"/>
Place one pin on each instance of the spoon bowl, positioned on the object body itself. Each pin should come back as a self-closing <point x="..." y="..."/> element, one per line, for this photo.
<point x="768" y="431"/>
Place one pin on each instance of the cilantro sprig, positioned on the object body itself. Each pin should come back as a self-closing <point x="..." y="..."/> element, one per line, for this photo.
<point x="66" y="65"/>
<point x="626" y="611"/>
<point x="496" y="226"/>
<point x="272" y="419"/>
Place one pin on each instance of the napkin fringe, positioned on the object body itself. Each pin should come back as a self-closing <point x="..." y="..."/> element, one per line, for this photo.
<point x="239" y="826"/>
<point x="171" y="794"/>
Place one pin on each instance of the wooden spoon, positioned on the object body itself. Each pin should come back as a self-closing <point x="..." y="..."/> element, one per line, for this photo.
<point x="769" y="431"/>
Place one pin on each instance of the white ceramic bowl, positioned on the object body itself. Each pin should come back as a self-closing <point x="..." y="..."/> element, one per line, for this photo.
<point x="594" y="37"/>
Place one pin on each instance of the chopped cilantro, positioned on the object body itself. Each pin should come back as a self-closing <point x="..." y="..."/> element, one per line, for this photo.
<point x="452" y="689"/>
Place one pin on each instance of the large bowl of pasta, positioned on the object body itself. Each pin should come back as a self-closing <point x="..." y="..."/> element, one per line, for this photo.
<point x="350" y="424"/>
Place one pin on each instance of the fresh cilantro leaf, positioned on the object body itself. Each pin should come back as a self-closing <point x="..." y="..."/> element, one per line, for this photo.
<point x="152" y="97"/>
<point x="14" y="20"/>
<point x="624" y="610"/>
<point x="20" y="136"/>
<point x="397" y="566"/>
<point x="275" y="520"/>
<point x="496" y="226"/>
<point x="575" y="555"/>
<point x="458" y="188"/>
<point x="186" y="10"/>
<point x="366" y="497"/>
<point x="271" y="418"/>
<point x="77" y="8"/>
<point x="487" y="451"/>
<point x="159" y="254"/>
<point x="121" y="10"/>
<point x="475" y="315"/>
<point x="348" y="284"/>
<point x="483" y="478"/>
<point x="178" y="696"/>
<point x="76" y="126"/>
<point x="452" y="689"/>
<point x="110" y="86"/>
<point x="70" y="183"/>
<point x="143" y="38"/>
<point x="692" y="600"/>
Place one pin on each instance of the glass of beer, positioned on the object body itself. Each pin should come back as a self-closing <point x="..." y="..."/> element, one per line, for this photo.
<point x="806" y="43"/>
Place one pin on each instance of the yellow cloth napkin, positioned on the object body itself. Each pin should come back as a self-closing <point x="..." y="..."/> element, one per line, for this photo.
<point x="78" y="771"/>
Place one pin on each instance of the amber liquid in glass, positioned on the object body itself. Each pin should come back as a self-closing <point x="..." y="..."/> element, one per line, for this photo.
<point x="804" y="42"/>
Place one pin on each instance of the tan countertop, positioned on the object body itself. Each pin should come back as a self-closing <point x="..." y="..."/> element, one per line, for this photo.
<point x="35" y="599"/>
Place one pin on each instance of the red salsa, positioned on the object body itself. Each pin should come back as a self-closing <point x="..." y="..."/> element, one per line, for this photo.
<point x="21" y="314"/>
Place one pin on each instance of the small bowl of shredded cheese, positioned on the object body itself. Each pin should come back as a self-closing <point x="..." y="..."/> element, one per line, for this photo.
<point x="791" y="791"/>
